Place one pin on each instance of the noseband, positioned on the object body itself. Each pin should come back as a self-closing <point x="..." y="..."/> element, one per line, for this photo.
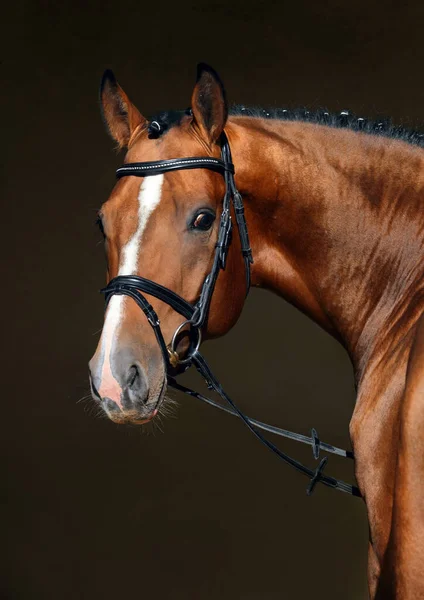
<point x="196" y="314"/>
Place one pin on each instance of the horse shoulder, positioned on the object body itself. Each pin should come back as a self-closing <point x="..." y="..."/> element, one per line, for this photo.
<point x="405" y="555"/>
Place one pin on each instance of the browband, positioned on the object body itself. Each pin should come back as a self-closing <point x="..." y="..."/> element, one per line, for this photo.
<point x="157" y="167"/>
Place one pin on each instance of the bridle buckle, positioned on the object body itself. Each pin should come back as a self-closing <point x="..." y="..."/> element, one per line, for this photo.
<point x="174" y="357"/>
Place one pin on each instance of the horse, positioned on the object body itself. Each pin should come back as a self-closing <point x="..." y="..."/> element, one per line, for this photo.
<point x="330" y="216"/>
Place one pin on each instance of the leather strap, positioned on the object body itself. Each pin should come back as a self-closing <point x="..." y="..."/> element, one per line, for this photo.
<point x="133" y="285"/>
<point x="127" y="285"/>
<point x="123" y="283"/>
<point x="158" y="167"/>
<point x="316" y="475"/>
<point x="313" y="441"/>
<point x="147" y="308"/>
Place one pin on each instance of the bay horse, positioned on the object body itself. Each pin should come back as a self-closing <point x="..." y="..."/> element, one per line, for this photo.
<point x="334" y="211"/>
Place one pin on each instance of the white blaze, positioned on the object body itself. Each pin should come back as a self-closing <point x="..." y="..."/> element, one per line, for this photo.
<point x="148" y="199"/>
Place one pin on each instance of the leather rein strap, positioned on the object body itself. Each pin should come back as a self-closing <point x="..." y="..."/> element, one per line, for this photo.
<point x="196" y="315"/>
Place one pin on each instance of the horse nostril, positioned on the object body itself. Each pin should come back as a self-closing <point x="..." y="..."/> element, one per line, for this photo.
<point x="94" y="389"/>
<point x="134" y="384"/>
<point x="133" y="374"/>
<point x="110" y="405"/>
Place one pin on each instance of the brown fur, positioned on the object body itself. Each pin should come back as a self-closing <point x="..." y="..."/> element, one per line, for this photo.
<point x="336" y="223"/>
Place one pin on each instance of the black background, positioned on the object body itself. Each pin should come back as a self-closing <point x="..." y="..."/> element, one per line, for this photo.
<point x="92" y="510"/>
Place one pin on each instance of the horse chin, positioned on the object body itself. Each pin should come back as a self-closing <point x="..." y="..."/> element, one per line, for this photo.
<point x="132" y="417"/>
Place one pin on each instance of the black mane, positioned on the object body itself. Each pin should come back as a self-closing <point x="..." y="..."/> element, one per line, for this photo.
<point x="345" y="119"/>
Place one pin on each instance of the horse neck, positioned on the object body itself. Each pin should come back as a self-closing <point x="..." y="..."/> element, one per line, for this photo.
<point x="336" y="223"/>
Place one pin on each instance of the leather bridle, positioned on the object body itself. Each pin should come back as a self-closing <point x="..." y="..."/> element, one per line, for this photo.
<point x="196" y="315"/>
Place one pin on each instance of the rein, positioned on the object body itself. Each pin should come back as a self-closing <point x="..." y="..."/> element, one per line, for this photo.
<point x="196" y="315"/>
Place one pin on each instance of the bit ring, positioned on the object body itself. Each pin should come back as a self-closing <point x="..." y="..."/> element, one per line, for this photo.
<point x="174" y="358"/>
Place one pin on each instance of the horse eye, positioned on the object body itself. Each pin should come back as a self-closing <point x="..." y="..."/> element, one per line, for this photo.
<point x="203" y="221"/>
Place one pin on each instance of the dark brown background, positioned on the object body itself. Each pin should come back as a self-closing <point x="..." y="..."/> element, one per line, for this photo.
<point x="92" y="510"/>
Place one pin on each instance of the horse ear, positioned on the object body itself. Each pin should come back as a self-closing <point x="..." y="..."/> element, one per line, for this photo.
<point x="118" y="112"/>
<point x="209" y="103"/>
